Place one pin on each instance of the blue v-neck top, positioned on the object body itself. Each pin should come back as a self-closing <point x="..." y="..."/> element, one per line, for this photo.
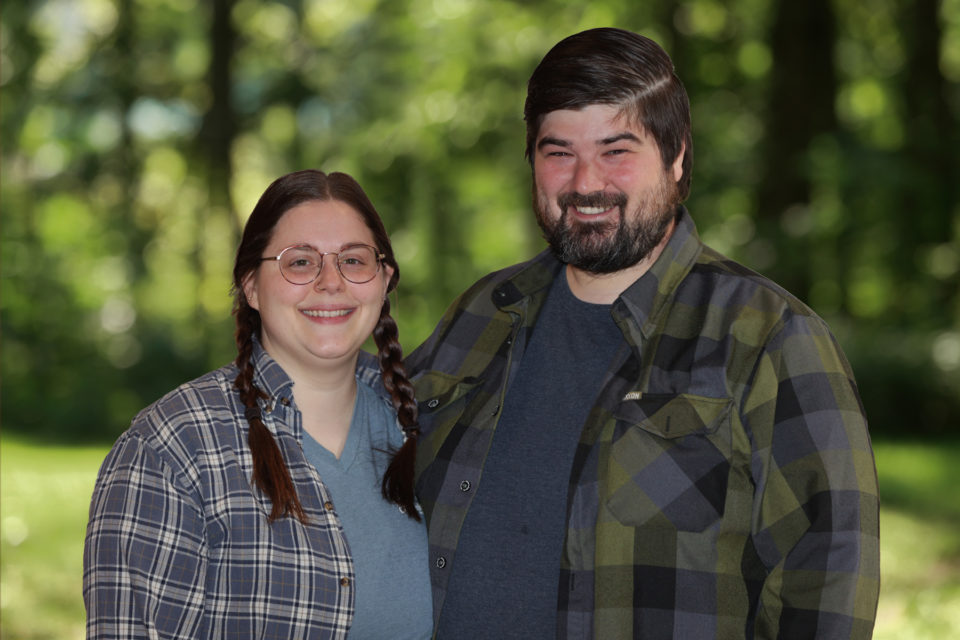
<point x="389" y="549"/>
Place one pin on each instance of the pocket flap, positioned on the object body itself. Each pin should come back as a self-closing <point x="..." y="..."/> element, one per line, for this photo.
<point x="436" y="390"/>
<point x="674" y="415"/>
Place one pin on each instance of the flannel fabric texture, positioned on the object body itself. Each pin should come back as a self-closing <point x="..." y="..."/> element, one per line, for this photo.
<point x="724" y="484"/>
<point x="178" y="543"/>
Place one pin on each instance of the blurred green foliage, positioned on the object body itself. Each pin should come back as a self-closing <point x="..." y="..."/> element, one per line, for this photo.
<point x="137" y="135"/>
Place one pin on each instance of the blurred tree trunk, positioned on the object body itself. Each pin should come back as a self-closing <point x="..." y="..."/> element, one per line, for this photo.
<point x="215" y="141"/>
<point x="126" y="163"/>
<point x="930" y="187"/>
<point x="220" y="122"/>
<point x="800" y="107"/>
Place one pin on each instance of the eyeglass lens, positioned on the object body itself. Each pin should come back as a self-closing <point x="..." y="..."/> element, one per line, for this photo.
<point x="301" y="265"/>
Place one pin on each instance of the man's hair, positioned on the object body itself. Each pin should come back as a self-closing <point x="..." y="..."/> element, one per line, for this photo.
<point x="621" y="68"/>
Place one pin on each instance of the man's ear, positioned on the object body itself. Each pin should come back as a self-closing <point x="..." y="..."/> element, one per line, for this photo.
<point x="677" y="166"/>
<point x="250" y="290"/>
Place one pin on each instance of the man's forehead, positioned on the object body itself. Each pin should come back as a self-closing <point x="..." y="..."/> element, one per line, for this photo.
<point x="600" y="119"/>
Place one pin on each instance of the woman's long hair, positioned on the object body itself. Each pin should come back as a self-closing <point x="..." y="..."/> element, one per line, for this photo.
<point x="270" y="473"/>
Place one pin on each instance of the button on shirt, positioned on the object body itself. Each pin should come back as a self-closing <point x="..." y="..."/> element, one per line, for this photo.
<point x="178" y="544"/>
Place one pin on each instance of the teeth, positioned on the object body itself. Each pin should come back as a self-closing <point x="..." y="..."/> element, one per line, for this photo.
<point x="326" y="314"/>
<point x="590" y="211"/>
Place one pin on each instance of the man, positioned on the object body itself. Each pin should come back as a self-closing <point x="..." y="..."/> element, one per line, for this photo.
<point x="631" y="435"/>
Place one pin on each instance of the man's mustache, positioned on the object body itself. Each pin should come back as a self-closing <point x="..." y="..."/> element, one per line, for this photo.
<point x="599" y="199"/>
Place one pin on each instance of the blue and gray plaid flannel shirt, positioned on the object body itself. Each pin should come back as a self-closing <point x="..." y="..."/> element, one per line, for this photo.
<point x="178" y="544"/>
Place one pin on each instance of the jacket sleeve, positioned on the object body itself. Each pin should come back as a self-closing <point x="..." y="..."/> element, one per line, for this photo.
<point x="816" y="507"/>
<point x="144" y="553"/>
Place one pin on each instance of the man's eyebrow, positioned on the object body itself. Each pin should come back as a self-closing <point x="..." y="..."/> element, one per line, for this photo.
<point x="626" y="135"/>
<point x="548" y="140"/>
<point x="559" y="142"/>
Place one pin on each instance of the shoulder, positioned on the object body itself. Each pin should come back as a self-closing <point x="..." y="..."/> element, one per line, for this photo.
<point x="377" y="404"/>
<point x="480" y="293"/>
<point x="743" y="294"/>
<point x="192" y="421"/>
<point x="754" y="317"/>
<point x="465" y="325"/>
<point x="370" y="388"/>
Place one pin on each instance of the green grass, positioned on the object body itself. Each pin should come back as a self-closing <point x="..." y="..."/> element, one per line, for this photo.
<point x="45" y="492"/>
<point x="919" y="540"/>
<point x="44" y="497"/>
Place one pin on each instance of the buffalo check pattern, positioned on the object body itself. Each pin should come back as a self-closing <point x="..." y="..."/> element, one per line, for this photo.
<point x="724" y="484"/>
<point x="178" y="543"/>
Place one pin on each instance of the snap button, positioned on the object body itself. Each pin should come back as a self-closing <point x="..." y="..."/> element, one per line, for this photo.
<point x="441" y="562"/>
<point x="285" y="402"/>
<point x="328" y="505"/>
<point x="344" y="582"/>
<point x="433" y="403"/>
<point x="465" y="486"/>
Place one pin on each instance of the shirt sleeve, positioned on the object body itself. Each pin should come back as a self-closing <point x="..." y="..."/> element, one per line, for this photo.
<point x="816" y="507"/>
<point x="144" y="553"/>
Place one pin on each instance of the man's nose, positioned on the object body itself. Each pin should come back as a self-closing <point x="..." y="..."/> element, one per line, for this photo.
<point x="587" y="176"/>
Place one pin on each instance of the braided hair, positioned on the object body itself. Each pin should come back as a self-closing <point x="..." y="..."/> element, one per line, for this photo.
<point x="270" y="472"/>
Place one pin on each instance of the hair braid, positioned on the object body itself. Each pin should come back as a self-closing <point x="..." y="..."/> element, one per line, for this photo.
<point x="397" y="483"/>
<point x="270" y="473"/>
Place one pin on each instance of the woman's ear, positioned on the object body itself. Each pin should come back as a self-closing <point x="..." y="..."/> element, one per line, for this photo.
<point x="387" y="277"/>
<point x="250" y="290"/>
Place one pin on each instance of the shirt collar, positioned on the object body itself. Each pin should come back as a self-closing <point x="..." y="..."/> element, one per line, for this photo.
<point x="269" y="375"/>
<point x="646" y="298"/>
<point x="643" y="300"/>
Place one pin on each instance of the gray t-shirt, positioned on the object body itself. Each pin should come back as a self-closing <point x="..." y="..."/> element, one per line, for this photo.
<point x="506" y="570"/>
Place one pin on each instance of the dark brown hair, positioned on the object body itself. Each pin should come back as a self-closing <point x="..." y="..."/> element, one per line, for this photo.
<point x="270" y="473"/>
<point x="615" y="67"/>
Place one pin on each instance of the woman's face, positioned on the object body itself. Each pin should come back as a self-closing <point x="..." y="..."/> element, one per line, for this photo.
<point x="327" y="321"/>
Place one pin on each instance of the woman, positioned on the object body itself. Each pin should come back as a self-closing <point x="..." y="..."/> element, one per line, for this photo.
<point x="262" y="499"/>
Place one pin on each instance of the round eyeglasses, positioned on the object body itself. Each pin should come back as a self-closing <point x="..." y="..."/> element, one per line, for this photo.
<point x="301" y="264"/>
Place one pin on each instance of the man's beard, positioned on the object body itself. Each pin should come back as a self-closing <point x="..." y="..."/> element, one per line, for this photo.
<point x="606" y="247"/>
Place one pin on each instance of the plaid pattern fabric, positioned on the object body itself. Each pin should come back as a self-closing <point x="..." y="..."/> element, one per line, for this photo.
<point x="178" y="544"/>
<point x="724" y="484"/>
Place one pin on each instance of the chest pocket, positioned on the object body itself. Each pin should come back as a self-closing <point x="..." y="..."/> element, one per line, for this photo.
<point x="439" y="396"/>
<point x="669" y="464"/>
<point x="442" y="399"/>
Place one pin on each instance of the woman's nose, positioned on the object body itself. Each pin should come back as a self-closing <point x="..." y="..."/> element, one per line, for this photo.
<point x="329" y="278"/>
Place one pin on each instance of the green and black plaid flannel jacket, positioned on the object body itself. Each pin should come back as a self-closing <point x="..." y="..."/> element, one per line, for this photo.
<point x="724" y="485"/>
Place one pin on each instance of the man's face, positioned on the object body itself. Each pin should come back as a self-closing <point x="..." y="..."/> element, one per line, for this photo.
<point x="601" y="193"/>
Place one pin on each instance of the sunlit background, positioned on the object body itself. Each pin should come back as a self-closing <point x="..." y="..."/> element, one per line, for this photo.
<point x="137" y="135"/>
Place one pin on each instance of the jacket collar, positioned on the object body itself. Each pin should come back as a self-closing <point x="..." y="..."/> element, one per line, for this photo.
<point x="646" y="298"/>
<point x="643" y="301"/>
